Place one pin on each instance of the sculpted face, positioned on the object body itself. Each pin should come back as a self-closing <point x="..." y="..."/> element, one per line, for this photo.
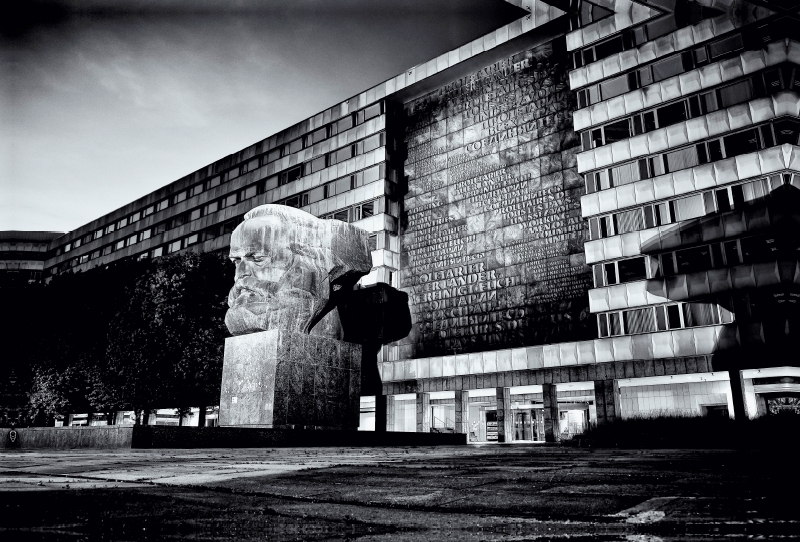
<point x="284" y="260"/>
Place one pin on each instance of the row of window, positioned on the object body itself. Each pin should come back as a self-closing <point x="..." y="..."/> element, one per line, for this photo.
<point x="327" y="190"/>
<point x="756" y="249"/>
<point x="320" y="134"/>
<point x="359" y="147"/>
<point x="749" y="140"/>
<point x="757" y="86"/>
<point x="686" y="208"/>
<point x="627" y="39"/>
<point x="663" y="69"/>
<point x="662" y="318"/>
<point x="349" y="214"/>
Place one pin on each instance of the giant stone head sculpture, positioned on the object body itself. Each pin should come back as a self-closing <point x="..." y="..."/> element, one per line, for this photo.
<point x="292" y="269"/>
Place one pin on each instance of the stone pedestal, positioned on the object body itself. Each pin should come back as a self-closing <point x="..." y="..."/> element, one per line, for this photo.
<point x="287" y="379"/>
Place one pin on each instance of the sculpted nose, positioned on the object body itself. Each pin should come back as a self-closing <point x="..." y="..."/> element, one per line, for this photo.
<point x="243" y="269"/>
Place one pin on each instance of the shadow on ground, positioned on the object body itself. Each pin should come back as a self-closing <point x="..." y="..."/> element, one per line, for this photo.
<point x="473" y="493"/>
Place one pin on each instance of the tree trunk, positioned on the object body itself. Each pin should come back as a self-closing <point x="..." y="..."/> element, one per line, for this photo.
<point x="146" y="417"/>
<point x="136" y="414"/>
<point x="89" y="417"/>
<point x="201" y="417"/>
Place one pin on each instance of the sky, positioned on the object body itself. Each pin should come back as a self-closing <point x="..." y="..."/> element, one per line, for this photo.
<point x="102" y="102"/>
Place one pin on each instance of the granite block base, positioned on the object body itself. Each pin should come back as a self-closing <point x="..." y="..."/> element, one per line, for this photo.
<point x="286" y="379"/>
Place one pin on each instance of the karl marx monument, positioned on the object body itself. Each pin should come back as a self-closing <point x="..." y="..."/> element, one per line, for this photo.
<point x="286" y="365"/>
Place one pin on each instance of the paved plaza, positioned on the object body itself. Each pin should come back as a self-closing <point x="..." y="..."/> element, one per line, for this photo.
<point x="492" y="492"/>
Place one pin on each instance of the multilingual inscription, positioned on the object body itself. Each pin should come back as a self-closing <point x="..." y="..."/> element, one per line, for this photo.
<point x="492" y="240"/>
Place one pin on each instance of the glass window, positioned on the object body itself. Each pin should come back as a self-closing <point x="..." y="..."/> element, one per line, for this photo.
<point x="671" y="114"/>
<point x="97" y="234"/>
<point x="213" y="182"/>
<point x="596" y="138"/>
<point x="735" y="93"/>
<point x="611" y="273"/>
<point x="602" y="325"/>
<point x="633" y="269"/>
<point x="758" y="249"/>
<point x="345" y="123"/>
<point x="700" y="314"/>
<point x="174" y="246"/>
<point x="341" y="215"/>
<point x="614" y="323"/>
<point x="617" y="131"/>
<point x="708" y="102"/>
<point x="674" y="316"/>
<point x="163" y="204"/>
<point x="650" y="217"/>
<point x="110" y="228"/>
<point x="107" y="250"/>
<point x="371" y="175"/>
<point x="628" y="221"/>
<point x="342" y="185"/>
<point x="639" y="321"/>
<point x="318" y="135"/>
<point x="661" y="318"/>
<point x="368" y="209"/>
<point x="144" y="234"/>
<point x="294" y="174"/>
<point x="192" y="239"/>
<point x="682" y="159"/>
<point x="179" y="197"/>
<point x="158" y="252"/>
<point x="119" y="244"/>
<point x="667" y="68"/>
<point x="609" y="47"/>
<point x="149" y="210"/>
<point x="135" y="217"/>
<point x="95" y="254"/>
<point x="196" y="189"/>
<point x="714" y="150"/>
<point x="273" y="155"/>
<point x="687" y="208"/>
<point x="249" y="192"/>
<point x="786" y="131"/>
<point x="122" y="223"/>
<point x="371" y="143"/>
<point x="372" y="111"/>
<point x="693" y="259"/>
<point x="271" y="182"/>
<point x="295" y="146"/>
<point x="228" y="201"/>
<point x="343" y="154"/>
<point x="614" y="87"/>
<point x="212" y="207"/>
<point x="195" y="214"/>
<point x="318" y="164"/>
<point x="726" y="45"/>
<point x="131" y="240"/>
<point x="741" y="143"/>
<point x="599" y="281"/>
<point x="373" y="241"/>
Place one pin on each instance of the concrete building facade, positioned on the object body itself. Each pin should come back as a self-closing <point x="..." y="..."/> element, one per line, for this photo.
<point x="592" y="210"/>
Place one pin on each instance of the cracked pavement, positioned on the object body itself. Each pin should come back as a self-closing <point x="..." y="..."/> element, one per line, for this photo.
<point x="491" y="492"/>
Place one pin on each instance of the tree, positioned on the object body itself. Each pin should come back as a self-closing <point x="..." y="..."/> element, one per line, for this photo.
<point x="165" y="346"/>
